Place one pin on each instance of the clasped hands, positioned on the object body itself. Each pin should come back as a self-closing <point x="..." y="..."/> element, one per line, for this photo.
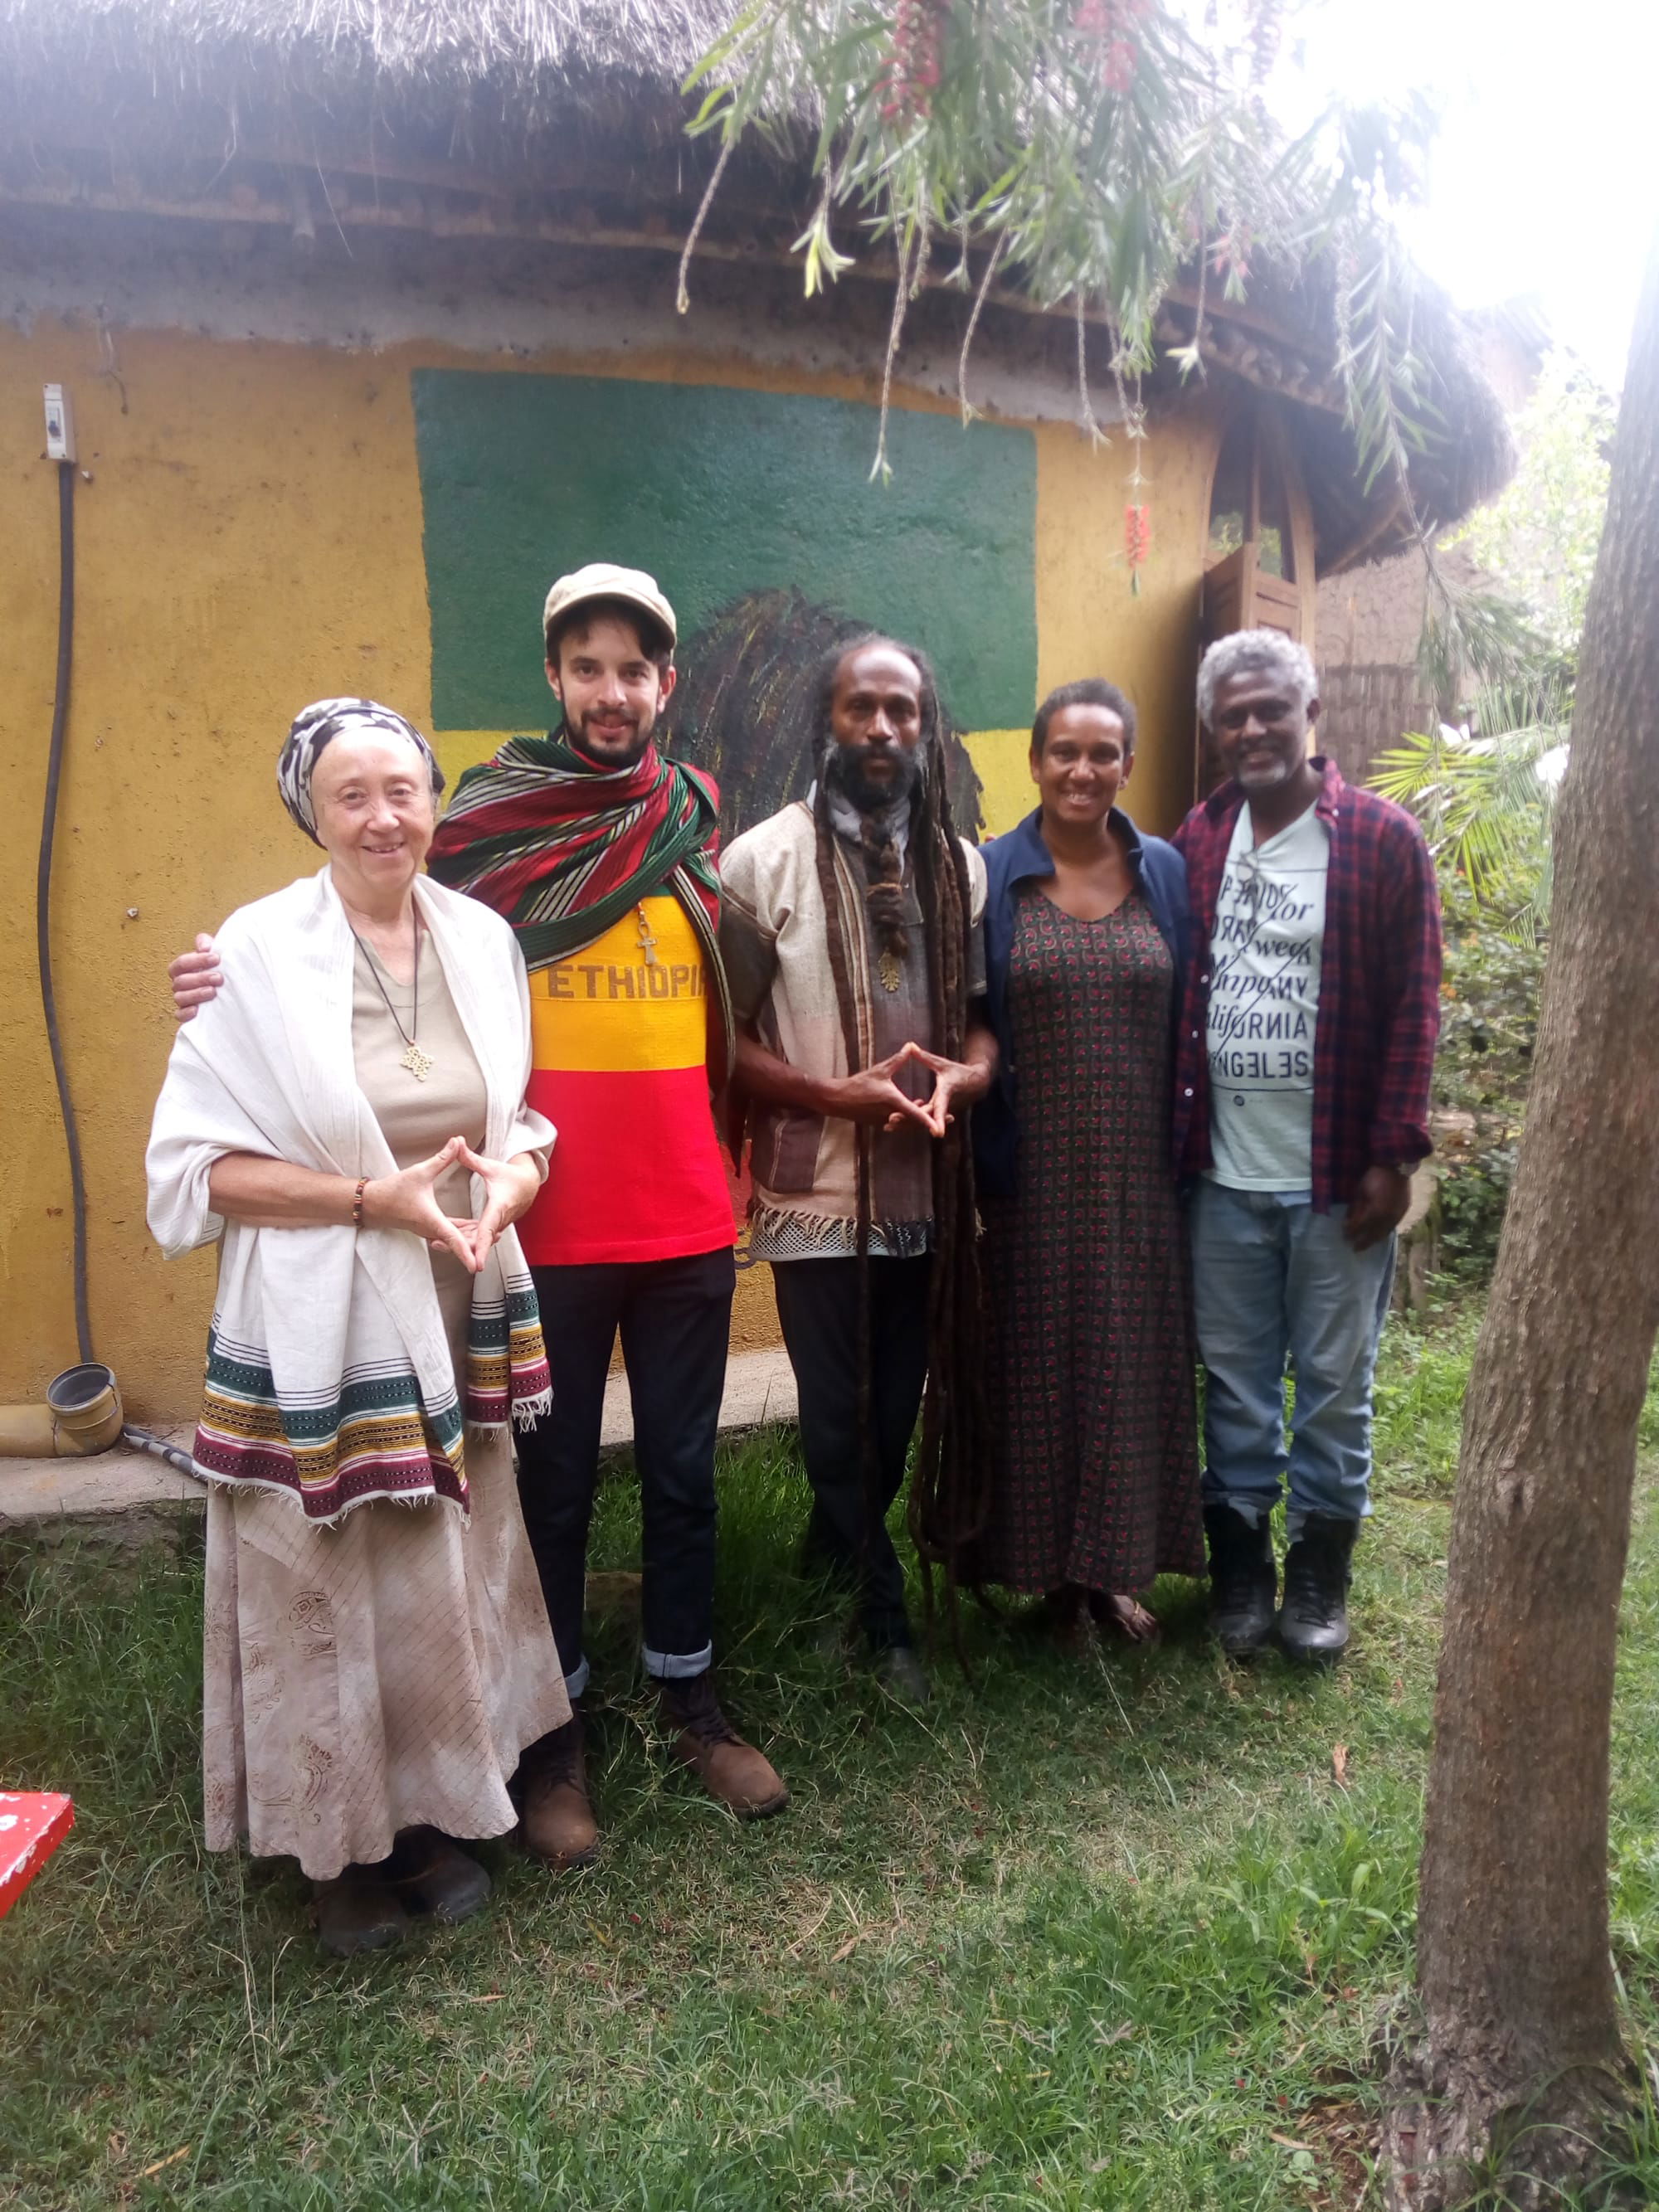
<point x="407" y="1200"/>
<point x="874" y="1095"/>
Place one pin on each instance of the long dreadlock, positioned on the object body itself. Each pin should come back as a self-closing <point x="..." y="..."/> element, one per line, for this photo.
<point x="949" y="1490"/>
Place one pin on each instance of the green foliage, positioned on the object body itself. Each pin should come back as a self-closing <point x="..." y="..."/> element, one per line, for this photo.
<point x="1488" y="1026"/>
<point x="1541" y="534"/>
<point x="1421" y="1382"/>
<point x="1485" y="794"/>
<point x="1097" y="153"/>
<point x="1489" y="1011"/>
<point x="1474" y="636"/>
<point x="1485" y="811"/>
<point x="1473" y="1198"/>
<point x="1486" y="802"/>
<point x="1511" y="647"/>
<point x="1486" y="798"/>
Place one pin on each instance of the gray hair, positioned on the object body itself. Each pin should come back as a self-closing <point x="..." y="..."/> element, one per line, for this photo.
<point x="1255" y="652"/>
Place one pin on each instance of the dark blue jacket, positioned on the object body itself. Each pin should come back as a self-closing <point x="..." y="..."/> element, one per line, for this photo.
<point x="1160" y="875"/>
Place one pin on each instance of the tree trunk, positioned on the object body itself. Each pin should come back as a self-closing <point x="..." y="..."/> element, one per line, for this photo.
<point x="1516" y="2067"/>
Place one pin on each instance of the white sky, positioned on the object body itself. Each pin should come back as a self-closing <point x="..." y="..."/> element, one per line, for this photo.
<point x="1545" y="177"/>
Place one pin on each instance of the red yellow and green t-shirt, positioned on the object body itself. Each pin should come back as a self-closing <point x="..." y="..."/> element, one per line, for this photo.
<point x="619" y="1052"/>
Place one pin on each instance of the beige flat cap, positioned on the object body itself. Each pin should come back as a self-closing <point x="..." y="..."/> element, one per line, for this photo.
<point x="603" y="579"/>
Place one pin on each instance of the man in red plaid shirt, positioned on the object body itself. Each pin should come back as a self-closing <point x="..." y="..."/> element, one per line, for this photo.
<point x="1304" y="1058"/>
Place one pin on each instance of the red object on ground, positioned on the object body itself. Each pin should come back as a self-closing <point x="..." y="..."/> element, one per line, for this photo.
<point x="32" y="1826"/>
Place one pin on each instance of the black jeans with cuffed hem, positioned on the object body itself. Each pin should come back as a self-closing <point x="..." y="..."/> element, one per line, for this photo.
<point x="675" y="1316"/>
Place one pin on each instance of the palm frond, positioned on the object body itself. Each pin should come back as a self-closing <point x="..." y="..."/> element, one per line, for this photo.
<point x="1485" y="808"/>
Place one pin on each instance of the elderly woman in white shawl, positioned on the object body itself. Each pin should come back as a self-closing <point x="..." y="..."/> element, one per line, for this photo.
<point x="348" y="1119"/>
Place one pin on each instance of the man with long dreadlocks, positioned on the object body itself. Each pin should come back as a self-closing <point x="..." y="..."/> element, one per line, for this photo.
<point x="850" y="927"/>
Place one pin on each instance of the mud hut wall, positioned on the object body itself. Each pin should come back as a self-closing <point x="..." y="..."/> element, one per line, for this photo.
<point x="252" y="535"/>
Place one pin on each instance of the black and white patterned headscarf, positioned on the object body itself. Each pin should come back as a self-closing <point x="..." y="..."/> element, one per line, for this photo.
<point x="331" y="718"/>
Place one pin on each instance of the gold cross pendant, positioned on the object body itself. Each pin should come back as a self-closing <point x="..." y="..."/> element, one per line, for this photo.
<point x="418" y="1063"/>
<point x="647" y="943"/>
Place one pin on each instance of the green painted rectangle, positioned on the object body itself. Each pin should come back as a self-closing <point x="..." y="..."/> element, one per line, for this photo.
<point x="718" y="493"/>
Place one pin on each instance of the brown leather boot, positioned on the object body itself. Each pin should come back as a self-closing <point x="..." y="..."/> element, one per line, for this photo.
<point x="729" y="1769"/>
<point x="556" y="1818"/>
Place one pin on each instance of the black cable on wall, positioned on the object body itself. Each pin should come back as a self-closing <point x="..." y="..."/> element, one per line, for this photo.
<point x="43" y="888"/>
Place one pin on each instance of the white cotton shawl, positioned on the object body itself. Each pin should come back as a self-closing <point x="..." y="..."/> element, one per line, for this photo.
<point x="329" y="1364"/>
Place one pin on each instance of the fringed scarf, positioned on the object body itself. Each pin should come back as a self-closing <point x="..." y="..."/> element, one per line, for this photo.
<point x="561" y="847"/>
<point x="329" y="1377"/>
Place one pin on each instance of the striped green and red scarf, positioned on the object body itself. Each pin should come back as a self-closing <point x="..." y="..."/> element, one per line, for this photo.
<point x="562" y="847"/>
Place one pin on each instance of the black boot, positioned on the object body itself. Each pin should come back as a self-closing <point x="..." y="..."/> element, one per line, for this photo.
<point x="1313" y="1621"/>
<point x="901" y="1673"/>
<point x="1243" y="1581"/>
<point x="358" y="1911"/>
<point x="432" y="1873"/>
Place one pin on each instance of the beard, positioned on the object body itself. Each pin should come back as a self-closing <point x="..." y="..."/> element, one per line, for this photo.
<point x="843" y="771"/>
<point x="1268" y="776"/>
<point x="618" y="746"/>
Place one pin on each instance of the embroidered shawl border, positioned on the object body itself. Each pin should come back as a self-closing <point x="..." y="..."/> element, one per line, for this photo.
<point x="375" y="1440"/>
<point x="507" y="1368"/>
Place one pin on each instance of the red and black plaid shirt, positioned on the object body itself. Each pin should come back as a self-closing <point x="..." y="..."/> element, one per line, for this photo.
<point x="1379" y="988"/>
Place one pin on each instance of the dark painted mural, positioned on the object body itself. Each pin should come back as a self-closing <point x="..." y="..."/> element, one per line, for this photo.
<point x="755" y="512"/>
<point x="744" y="708"/>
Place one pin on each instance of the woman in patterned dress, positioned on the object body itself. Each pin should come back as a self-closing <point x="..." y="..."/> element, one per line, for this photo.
<point x="1090" y="1347"/>
<point x="347" y="1121"/>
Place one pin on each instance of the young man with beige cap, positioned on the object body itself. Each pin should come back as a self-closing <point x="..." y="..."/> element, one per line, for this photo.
<point x="601" y="854"/>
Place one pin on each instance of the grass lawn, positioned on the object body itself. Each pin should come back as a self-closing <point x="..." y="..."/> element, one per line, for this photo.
<point x="1114" y="1933"/>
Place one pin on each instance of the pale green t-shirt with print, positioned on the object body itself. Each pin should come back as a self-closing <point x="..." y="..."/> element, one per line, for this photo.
<point x="1264" y="1004"/>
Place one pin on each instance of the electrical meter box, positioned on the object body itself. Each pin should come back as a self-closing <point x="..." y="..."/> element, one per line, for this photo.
<point x="60" y="424"/>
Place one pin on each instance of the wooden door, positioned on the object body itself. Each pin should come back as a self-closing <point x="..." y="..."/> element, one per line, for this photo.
<point x="1251" y="579"/>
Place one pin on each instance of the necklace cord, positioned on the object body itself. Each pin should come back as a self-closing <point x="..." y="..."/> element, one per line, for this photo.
<point x="407" y="1036"/>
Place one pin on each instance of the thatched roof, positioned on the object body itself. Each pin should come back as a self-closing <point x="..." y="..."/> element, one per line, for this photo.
<point x="1468" y="453"/>
<point x="486" y="75"/>
<point x="560" y="122"/>
<point x="516" y="41"/>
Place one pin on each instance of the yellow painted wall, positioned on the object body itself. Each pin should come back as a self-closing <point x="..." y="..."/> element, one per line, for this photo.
<point x="250" y="539"/>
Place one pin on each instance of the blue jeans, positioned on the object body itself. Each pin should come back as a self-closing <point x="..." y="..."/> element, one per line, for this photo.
<point x="1274" y="1283"/>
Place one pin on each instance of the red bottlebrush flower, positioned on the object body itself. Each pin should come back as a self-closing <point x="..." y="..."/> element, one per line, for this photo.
<point x="912" y="71"/>
<point x="1231" y="254"/>
<point x="1137" y="534"/>
<point x="1109" y="23"/>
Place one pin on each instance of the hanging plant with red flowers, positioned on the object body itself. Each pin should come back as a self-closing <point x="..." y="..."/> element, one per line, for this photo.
<point x="1088" y="154"/>
<point x="1137" y="539"/>
<point x="1111" y="24"/>
<point x="912" y="69"/>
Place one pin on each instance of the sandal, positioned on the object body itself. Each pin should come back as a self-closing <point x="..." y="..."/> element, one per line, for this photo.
<point x="1125" y="1617"/>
